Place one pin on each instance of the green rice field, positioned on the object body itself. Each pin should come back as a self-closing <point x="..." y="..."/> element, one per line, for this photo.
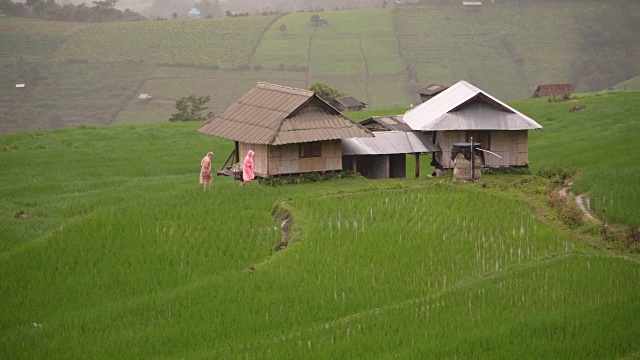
<point x="120" y="254"/>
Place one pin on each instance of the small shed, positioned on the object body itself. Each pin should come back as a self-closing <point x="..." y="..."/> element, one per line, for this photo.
<point x="547" y="90"/>
<point x="462" y="112"/>
<point x="292" y="131"/>
<point x="384" y="156"/>
<point x="348" y="103"/>
<point x="430" y="90"/>
<point x="385" y="123"/>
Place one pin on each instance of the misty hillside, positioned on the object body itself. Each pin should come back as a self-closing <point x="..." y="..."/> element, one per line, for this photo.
<point x="84" y="73"/>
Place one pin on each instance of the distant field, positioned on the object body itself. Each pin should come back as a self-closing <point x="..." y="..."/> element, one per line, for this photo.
<point x="504" y="49"/>
<point x="63" y="95"/>
<point x="31" y="39"/>
<point x="223" y="42"/>
<point x="356" y="53"/>
<point x="167" y="84"/>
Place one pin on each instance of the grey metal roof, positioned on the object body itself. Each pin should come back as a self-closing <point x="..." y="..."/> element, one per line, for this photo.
<point x="391" y="122"/>
<point x="349" y="101"/>
<point x="389" y="142"/>
<point x="275" y="115"/>
<point x="465" y="107"/>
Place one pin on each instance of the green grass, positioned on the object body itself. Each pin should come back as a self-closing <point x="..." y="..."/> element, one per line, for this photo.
<point x="600" y="141"/>
<point x="124" y="256"/>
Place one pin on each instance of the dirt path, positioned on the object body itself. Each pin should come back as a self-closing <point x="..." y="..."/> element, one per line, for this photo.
<point x="582" y="200"/>
<point x="308" y="74"/>
<point x="366" y="72"/>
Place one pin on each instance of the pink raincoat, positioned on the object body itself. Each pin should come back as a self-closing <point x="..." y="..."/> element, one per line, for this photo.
<point x="247" y="167"/>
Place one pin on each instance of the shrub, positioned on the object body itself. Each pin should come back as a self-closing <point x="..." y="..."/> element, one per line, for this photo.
<point x="557" y="173"/>
<point x="310" y="177"/>
<point x="272" y="181"/>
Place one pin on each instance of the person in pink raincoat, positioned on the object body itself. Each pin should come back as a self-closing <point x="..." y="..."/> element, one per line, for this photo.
<point x="247" y="167"/>
<point x="205" y="170"/>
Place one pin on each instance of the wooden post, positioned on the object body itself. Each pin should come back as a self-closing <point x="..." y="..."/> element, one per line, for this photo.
<point x="237" y="153"/>
<point x="417" y="155"/>
<point x="353" y="163"/>
<point x="472" y="158"/>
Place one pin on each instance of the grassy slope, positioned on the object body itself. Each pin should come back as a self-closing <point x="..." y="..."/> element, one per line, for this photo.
<point x="631" y="84"/>
<point x="504" y="49"/>
<point x="600" y="141"/>
<point x="124" y="256"/>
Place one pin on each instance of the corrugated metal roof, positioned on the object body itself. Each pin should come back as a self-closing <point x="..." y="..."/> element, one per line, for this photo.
<point x="455" y="109"/>
<point x="349" y="101"/>
<point x="391" y="122"/>
<point x="389" y="142"/>
<point x="275" y="115"/>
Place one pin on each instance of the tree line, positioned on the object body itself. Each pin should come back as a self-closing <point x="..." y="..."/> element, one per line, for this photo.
<point x="101" y="11"/>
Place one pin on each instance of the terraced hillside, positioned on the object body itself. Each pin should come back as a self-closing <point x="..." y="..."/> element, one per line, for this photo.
<point x="379" y="56"/>
<point x="504" y="49"/>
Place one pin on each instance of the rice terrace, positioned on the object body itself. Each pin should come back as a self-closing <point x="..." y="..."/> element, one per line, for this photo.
<point x="350" y="243"/>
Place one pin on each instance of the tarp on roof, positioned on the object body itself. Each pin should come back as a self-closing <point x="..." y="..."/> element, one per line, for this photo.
<point x="465" y="107"/>
<point x="389" y="142"/>
<point x="276" y="115"/>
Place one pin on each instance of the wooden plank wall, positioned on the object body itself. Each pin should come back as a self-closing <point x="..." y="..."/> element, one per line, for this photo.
<point x="285" y="159"/>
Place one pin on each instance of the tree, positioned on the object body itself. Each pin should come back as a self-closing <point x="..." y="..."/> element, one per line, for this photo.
<point x="190" y="108"/>
<point x="283" y="29"/>
<point x="325" y="92"/>
<point x="315" y="19"/>
<point x="104" y="8"/>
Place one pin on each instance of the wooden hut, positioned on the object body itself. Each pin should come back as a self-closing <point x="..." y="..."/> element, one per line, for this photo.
<point x="292" y="131"/>
<point x="429" y="91"/>
<point x="462" y="112"/>
<point x="546" y="90"/>
<point x="385" y="123"/>
<point x="348" y="103"/>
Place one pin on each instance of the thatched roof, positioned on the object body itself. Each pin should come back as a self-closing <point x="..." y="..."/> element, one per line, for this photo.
<point x="276" y="115"/>
<point x="465" y="107"/>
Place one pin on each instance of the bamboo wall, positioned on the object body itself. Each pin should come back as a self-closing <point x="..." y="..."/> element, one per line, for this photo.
<point x="259" y="158"/>
<point x="270" y="160"/>
<point x="512" y="146"/>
